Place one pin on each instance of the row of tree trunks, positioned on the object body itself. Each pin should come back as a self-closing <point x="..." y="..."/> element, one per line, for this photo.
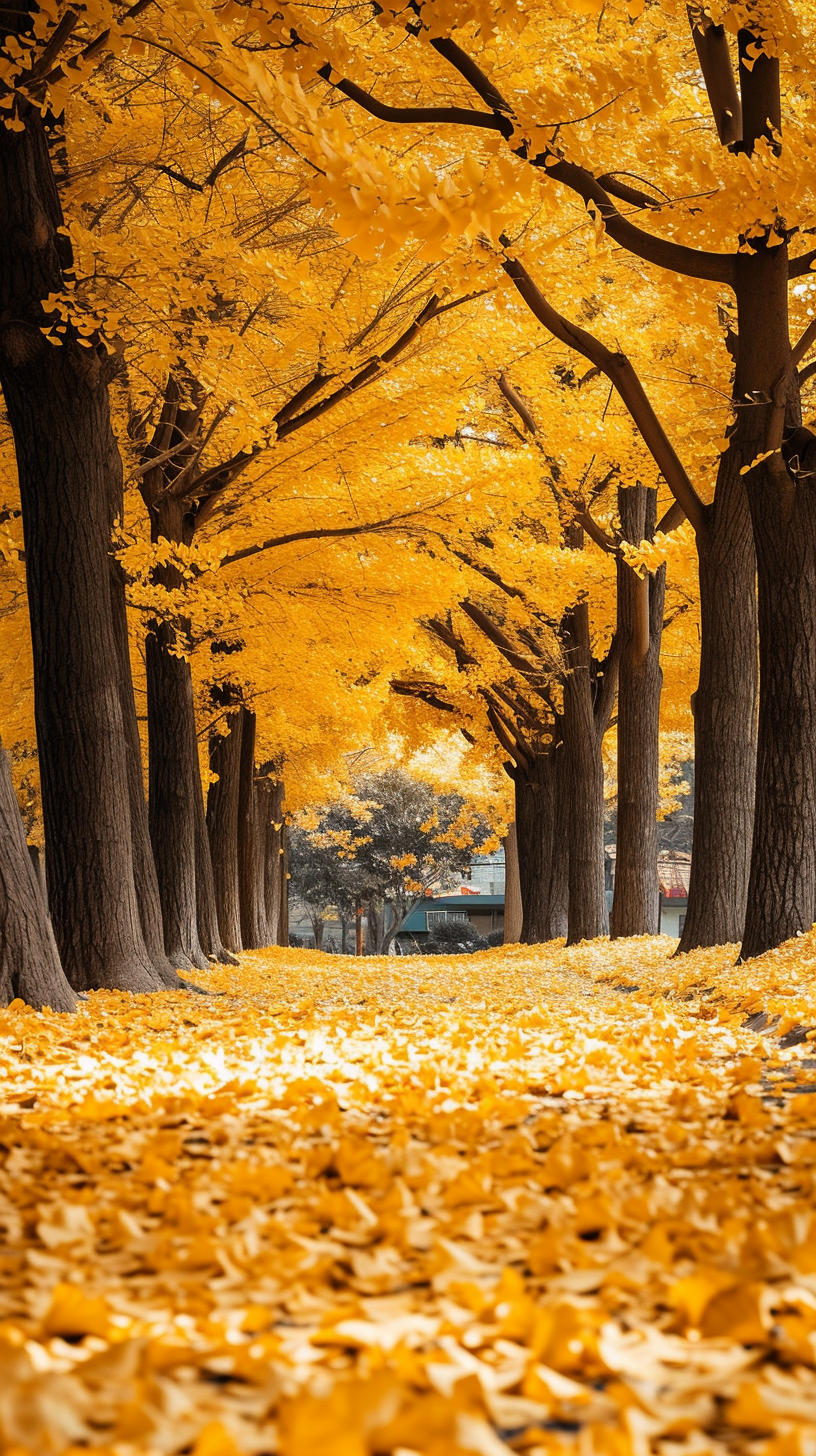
<point x="247" y="841"/>
<point x="222" y="826"/>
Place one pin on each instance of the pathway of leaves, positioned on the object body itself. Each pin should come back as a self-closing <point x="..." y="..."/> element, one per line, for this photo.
<point x="531" y="1200"/>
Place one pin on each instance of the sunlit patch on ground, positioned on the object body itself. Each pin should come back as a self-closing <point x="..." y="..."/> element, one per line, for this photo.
<point x="439" y="1206"/>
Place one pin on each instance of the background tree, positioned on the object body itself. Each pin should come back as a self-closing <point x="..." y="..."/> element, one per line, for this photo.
<point x="393" y="842"/>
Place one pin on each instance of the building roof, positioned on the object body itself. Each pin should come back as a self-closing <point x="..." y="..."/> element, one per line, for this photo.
<point x="416" y="920"/>
<point x="673" y="874"/>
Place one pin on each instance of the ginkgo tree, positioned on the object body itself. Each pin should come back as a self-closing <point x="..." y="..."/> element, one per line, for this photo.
<point x="724" y="206"/>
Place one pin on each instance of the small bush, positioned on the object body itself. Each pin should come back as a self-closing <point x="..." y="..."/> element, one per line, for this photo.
<point x="496" y="937"/>
<point x="454" y="937"/>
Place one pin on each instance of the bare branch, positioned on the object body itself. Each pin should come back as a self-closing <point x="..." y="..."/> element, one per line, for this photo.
<point x="516" y="402"/>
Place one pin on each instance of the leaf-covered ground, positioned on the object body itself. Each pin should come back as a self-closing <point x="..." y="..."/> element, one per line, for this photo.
<point x="533" y="1200"/>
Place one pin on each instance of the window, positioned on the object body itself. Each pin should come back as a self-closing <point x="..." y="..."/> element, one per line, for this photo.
<point x="435" y="917"/>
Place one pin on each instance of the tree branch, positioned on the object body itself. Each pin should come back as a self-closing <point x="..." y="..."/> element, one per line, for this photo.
<point x="506" y="738"/>
<point x="450" y="639"/>
<point x="408" y="115"/>
<point x="516" y="402"/>
<point x="621" y="374"/>
<point x="369" y="372"/>
<point x="50" y="50"/>
<point x="803" y="344"/>
<point x="486" y="571"/>
<point x="675" y="257"/>
<point x="495" y="635"/>
<point x="318" y="533"/>
<point x="93" y="47"/>
<point x="425" y="692"/>
<point x="674" y="517"/>
<point x="605" y="700"/>
<point x="798" y="267"/>
<point x="625" y="193"/>
<point x="711" y="45"/>
<point x="596" y="532"/>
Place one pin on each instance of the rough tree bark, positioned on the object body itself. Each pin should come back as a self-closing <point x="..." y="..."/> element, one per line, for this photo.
<point x="208" y="933"/>
<point x="251" y="843"/>
<point x="222" y="826"/>
<point x="283" y="914"/>
<point x="144" y="867"/>
<point x="58" y="408"/>
<point x="635" y="908"/>
<point x="588" y="699"/>
<point x="173" y="783"/>
<point x="29" y="961"/>
<point x="274" y="858"/>
<point x="513" y="911"/>
<point x="724" y="713"/>
<point x="782" y="885"/>
<point x="542" y="861"/>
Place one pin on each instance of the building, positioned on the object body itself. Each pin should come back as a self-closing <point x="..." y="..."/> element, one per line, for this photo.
<point x="673" y="871"/>
<point x="484" y="912"/>
<point x="479" y="899"/>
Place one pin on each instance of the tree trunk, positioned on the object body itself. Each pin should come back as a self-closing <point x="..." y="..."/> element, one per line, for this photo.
<point x="358" y="931"/>
<point x="782" y="884"/>
<point x="513" y="912"/>
<point x="173" y="776"/>
<point x="375" y="917"/>
<point x="635" y="908"/>
<point x="283" y="918"/>
<point x="583" y="768"/>
<point x="724" y="712"/>
<point x="144" y="866"/>
<point x="222" y="825"/>
<point x="541" y="862"/>
<point x="58" y="408"/>
<point x="263" y="816"/>
<point x="251" y="843"/>
<point x="29" y="961"/>
<point x="274" y="859"/>
<point x="206" y="913"/>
